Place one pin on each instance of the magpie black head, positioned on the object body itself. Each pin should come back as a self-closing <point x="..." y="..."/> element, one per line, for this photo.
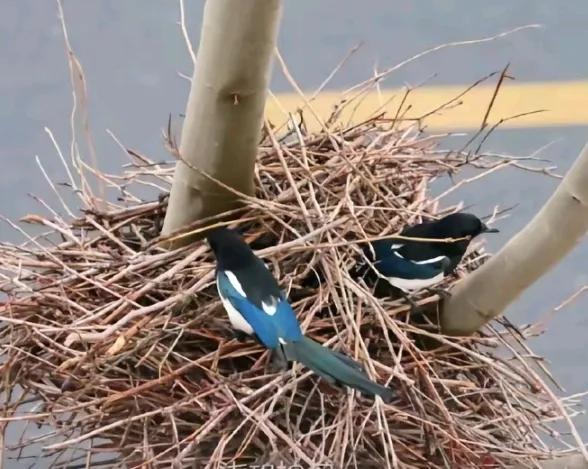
<point x="459" y="225"/>
<point x="230" y="249"/>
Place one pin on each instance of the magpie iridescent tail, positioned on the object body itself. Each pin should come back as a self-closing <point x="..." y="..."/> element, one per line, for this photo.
<point x="334" y="367"/>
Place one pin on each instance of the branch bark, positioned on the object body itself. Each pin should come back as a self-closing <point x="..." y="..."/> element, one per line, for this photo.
<point x="548" y="237"/>
<point x="225" y="109"/>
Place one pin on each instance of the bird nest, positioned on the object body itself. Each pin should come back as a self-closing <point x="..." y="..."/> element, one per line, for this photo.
<point x="122" y="349"/>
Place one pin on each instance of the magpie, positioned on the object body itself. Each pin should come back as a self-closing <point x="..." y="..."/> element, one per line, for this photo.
<point x="414" y="265"/>
<point x="258" y="308"/>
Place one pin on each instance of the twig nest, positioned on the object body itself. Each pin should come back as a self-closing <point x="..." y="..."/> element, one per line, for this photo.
<point x="120" y="340"/>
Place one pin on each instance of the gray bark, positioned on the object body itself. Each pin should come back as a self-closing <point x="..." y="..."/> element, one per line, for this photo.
<point x="549" y="236"/>
<point x="225" y="110"/>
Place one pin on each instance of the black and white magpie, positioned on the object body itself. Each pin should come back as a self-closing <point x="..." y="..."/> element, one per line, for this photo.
<point x="257" y="307"/>
<point x="414" y="265"/>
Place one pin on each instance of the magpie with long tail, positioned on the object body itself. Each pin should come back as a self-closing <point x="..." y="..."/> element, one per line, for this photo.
<point x="258" y="308"/>
<point x="411" y="266"/>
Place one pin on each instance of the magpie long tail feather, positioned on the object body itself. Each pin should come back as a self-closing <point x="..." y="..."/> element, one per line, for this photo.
<point x="335" y="367"/>
<point x="349" y="361"/>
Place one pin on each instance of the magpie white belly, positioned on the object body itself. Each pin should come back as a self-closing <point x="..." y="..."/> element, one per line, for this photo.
<point x="415" y="284"/>
<point x="236" y="318"/>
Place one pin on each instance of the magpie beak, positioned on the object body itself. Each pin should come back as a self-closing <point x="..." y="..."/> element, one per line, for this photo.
<point x="485" y="229"/>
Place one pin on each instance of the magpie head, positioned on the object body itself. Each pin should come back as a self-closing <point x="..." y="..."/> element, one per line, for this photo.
<point x="461" y="225"/>
<point x="230" y="249"/>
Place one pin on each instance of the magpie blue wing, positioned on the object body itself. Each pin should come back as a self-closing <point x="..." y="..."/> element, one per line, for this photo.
<point x="395" y="265"/>
<point x="264" y="329"/>
<point x="270" y="316"/>
<point x="287" y="324"/>
<point x="415" y="251"/>
<point x="279" y="327"/>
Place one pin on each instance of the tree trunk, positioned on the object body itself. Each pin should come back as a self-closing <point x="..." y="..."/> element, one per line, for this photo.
<point x="225" y="109"/>
<point x="552" y="233"/>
